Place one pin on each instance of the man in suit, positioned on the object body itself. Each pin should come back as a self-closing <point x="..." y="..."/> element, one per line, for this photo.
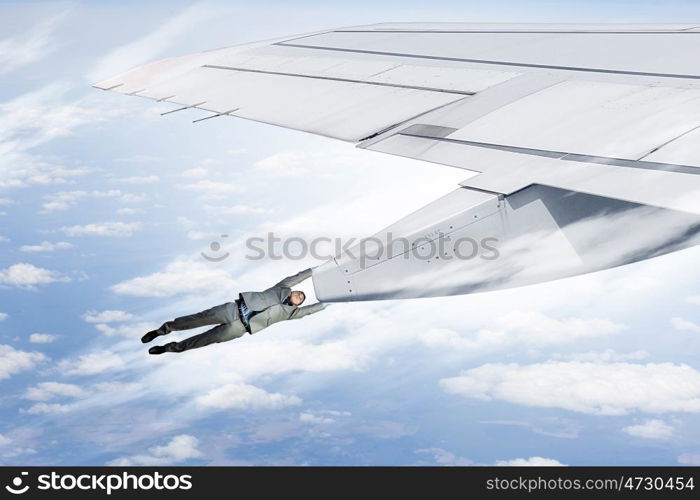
<point x="251" y="312"/>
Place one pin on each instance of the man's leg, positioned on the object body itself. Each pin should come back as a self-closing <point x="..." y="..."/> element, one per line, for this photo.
<point x="218" y="314"/>
<point x="220" y="333"/>
<point x="223" y="313"/>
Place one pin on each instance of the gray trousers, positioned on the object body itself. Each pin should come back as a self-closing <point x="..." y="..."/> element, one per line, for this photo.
<point x="225" y="316"/>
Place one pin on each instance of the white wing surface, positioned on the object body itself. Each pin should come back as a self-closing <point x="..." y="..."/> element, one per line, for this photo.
<point x="585" y="139"/>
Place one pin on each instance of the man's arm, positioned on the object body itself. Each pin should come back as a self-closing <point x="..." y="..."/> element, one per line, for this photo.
<point x="300" y="312"/>
<point x="290" y="281"/>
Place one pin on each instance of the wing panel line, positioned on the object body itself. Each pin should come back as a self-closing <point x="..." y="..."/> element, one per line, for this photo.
<point x="559" y="155"/>
<point x="338" y="79"/>
<point x="491" y="62"/>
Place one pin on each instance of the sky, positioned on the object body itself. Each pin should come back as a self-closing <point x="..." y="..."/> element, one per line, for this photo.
<point x="106" y="208"/>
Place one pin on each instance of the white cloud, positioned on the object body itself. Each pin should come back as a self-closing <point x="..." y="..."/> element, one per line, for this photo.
<point x="195" y="172"/>
<point x="150" y="46"/>
<point x="555" y="427"/>
<point x="185" y="222"/>
<point x="532" y="328"/>
<point x="212" y="188"/>
<point x="131" y="198"/>
<point x="651" y="429"/>
<point x="39" y="116"/>
<point x="4" y="316"/>
<point x="140" y="159"/>
<point x="86" y="396"/>
<point x="250" y="359"/>
<point x="311" y="418"/>
<point x="18" y="452"/>
<point x="63" y="200"/>
<point x="46" y="391"/>
<point x="143" y="179"/>
<point x="178" y="277"/>
<point x="28" y="275"/>
<point x="130" y="331"/>
<point x="46" y="246"/>
<point x="689" y="459"/>
<point x="129" y="211"/>
<point x="241" y="396"/>
<point x="180" y="449"/>
<point x="335" y="413"/>
<point x="117" y="386"/>
<point x="4" y="441"/>
<point x="42" y="338"/>
<point x="37" y="43"/>
<point x="531" y="461"/>
<point x="47" y="408"/>
<point x="19" y="168"/>
<point x="284" y="356"/>
<point x="214" y="384"/>
<point x="202" y="235"/>
<point x="108" y="316"/>
<point x="91" y="364"/>
<point x="595" y="388"/>
<point x="694" y="299"/>
<point x="4" y="239"/>
<point x="606" y="355"/>
<point x="211" y="161"/>
<point x="104" y="229"/>
<point x="238" y="210"/>
<point x="683" y="325"/>
<point x="13" y="361"/>
<point x="444" y="457"/>
<point x="287" y="164"/>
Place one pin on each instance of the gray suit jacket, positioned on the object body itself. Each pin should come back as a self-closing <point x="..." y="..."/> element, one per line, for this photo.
<point x="268" y="305"/>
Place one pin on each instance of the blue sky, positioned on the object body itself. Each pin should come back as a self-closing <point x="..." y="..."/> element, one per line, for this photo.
<point x="105" y="207"/>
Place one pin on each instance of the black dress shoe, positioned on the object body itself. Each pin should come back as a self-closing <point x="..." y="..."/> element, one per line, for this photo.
<point x="160" y="349"/>
<point x="150" y="336"/>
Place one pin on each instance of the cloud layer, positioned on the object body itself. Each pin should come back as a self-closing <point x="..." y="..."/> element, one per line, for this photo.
<point x="594" y="388"/>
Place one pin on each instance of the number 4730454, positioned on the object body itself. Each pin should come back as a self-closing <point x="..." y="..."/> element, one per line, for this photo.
<point x="660" y="483"/>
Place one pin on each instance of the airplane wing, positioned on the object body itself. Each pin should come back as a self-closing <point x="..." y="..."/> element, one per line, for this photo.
<point x="584" y="139"/>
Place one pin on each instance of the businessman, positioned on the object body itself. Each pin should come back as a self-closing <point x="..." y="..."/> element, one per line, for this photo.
<point x="251" y="312"/>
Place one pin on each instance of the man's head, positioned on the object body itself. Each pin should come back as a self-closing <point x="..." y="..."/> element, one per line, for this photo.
<point x="297" y="297"/>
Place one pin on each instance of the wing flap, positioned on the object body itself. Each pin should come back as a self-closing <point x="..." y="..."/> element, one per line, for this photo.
<point x="593" y="118"/>
<point x="502" y="170"/>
